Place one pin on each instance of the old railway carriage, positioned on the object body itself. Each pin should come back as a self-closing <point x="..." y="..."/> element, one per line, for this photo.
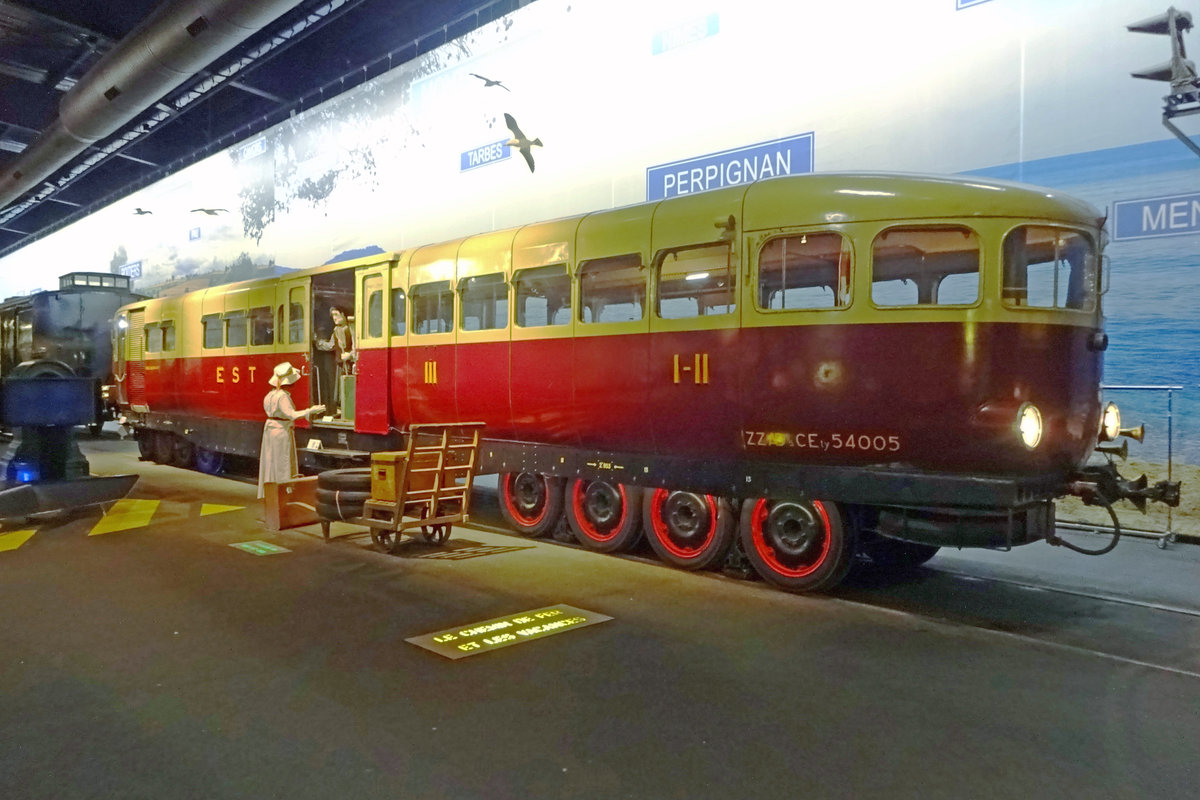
<point x="816" y="364"/>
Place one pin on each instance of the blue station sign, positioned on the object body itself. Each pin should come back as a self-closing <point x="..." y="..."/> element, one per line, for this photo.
<point x="1176" y="215"/>
<point x="487" y="154"/>
<point x="790" y="156"/>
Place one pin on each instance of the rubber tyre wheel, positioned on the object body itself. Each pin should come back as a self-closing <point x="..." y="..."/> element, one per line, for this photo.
<point x="531" y="503"/>
<point x="164" y="447"/>
<point x="210" y="462"/>
<point x="797" y="546"/>
<point x="327" y="511"/>
<point x="145" y="444"/>
<point x="604" y="517"/>
<point x="354" y="479"/>
<point x="896" y="554"/>
<point x="688" y="530"/>
<point x="182" y="452"/>
<point x="345" y="497"/>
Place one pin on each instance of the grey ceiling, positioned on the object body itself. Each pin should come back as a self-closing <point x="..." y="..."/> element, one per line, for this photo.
<point x="312" y="52"/>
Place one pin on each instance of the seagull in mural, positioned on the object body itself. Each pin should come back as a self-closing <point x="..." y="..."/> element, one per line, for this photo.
<point x="139" y="211"/>
<point x="488" y="82"/>
<point x="212" y="212"/>
<point x="520" y="141"/>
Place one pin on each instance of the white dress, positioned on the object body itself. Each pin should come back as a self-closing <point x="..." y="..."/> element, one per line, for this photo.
<point x="277" y="462"/>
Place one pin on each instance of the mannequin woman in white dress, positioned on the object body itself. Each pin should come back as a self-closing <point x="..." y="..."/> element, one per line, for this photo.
<point x="277" y="462"/>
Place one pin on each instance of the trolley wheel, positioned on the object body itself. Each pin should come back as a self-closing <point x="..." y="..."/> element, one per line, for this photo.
<point x="181" y="452"/>
<point x="688" y="530"/>
<point x="435" y="534"/>
<point x="530" y="502"/>
<point x="604" y="516"/>
<point x="798" y="546"/>
<point x="208" y="461"/>
<point x="896" y="554"/>
<point x="388" y="541"/>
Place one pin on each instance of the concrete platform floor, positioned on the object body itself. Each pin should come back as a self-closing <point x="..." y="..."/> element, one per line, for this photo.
<point x="158" y="660"/>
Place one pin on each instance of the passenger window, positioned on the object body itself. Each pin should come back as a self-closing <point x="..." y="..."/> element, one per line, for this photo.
<point x="433" y="308"/>
<point x="262" y="326"/>
<point x="1049" y="268"/>
<point x="213" y="335"/>
<point x="484" y="302"/>
<point x="806" y="271"/>
<point x="935" y="265"/>
<point x="235" y="330"/>
<point x="372" y="288"/>
<point x="612" y="289"/>
<point x="153" y="338"/>
<point x="543" y="296"/>
<point x="296" y="315"/>
<point x="696" y="281"/>
<point x="168" y="334"/>
<point x="399" y="301"/>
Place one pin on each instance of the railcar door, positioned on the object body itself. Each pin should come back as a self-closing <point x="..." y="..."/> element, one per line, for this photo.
<point x="371" y="400"/>
<point x="292" y="338"/>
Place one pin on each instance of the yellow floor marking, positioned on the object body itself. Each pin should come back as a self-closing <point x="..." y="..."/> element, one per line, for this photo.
<point x="126" y="514"/>
<point x="14" y="539"/>
<point x="213" y="508"/>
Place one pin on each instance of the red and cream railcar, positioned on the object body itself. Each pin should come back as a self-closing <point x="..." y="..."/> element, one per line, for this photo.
<point x="815" y="364"/>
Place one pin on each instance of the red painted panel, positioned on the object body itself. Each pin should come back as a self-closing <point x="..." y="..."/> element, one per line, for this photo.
<point x="371" y="391"/>
<point x="695" y="391"/>
<point x="610" y="392"/>
<point x="401" y="417"/>
<point x="431" y="384"/>
<point x="543" y="391"/>
<point x="481" y="386"/>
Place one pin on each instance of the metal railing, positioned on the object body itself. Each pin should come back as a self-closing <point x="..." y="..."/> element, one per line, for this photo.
<point x="1164" y="537"/>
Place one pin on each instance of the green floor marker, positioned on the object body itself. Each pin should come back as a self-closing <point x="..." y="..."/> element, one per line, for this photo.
<point x="260" y="548"/>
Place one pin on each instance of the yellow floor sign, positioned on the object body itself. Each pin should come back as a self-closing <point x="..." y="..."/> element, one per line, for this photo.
<point x="14" y="539"/>
<point x="124" y="515"/>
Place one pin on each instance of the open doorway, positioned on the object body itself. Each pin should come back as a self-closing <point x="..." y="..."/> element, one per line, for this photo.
<point x="335" y="348"/>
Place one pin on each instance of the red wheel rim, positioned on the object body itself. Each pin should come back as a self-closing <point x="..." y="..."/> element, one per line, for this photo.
<point x="579" y="504"/>
<point x="769" y="554"/>
<point x="516" y="512"/>
<point x="662" y="533"/>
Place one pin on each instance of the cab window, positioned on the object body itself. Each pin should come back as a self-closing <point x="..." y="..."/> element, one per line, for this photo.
<point x="1048" y="267"/>
<point x="372" y="287"/>
<point x="296" y="315"/>
<point x="696" y="281"/>
<point x="612" y="289"/>
<point x="543" y="296"/>
<point x="432" y="308"/>
<point x="928" y="265"/>
<point x="806" y="271"/>
<point x="399" y="304"/>
<point x="484" y="302"/>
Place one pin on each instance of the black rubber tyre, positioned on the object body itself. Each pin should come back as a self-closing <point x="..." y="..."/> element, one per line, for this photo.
<point x="210" y="462"/>
<point x="354" y="479"/>
<point x="328" y="511"/>
<point x="798" y="546"/>
<point x="896" y="554"/>
<point x="182" y="452"/>
<point x="343" y="496"/>
<point x="530" y="502"/>
<point x="163" y="447"/>
<point x="688" y="530"/>
<point x="604" y="517"/>
<point x="145" y="443"/>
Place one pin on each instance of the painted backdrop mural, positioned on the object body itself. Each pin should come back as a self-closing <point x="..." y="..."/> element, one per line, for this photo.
<point x="570" y="106"/>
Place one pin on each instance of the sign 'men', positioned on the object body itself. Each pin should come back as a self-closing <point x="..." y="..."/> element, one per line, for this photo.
<point x="790" y="156"/>
<point x="1157" y="216"/>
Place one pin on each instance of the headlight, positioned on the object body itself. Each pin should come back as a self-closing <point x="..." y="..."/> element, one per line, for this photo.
<point x="1029" y="425"/>
<point x="1110" y="423"/>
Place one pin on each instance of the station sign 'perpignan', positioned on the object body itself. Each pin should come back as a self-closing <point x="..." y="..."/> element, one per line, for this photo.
<point x="790" y="156"/>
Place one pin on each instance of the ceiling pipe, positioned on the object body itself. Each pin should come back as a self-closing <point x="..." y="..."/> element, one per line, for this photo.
<point x="171" y="45"/>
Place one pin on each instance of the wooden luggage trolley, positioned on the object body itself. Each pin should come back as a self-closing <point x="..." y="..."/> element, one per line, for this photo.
<point x="426" y="486"/>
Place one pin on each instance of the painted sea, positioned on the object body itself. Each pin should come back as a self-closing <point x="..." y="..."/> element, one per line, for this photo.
<point x="1153" y="289"/>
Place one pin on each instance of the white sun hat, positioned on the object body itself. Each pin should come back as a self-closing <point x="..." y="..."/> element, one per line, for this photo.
<point x="285" y="374"/>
